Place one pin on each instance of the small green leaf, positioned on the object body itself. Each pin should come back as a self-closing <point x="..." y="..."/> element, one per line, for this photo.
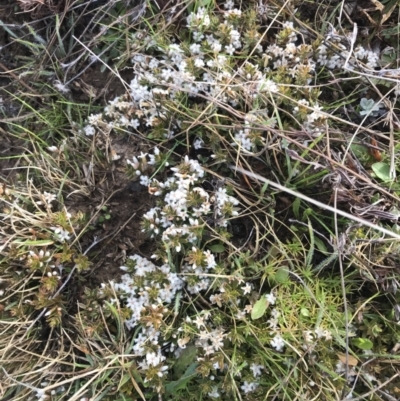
<point x="281" y="276"/>
<point x="39" y="242"/>
<point x="367" y="104"/>
<point x="173" y="387"/>
<point x="185" y="360"/>
<point x="360" y="151"/>
<point x="296" y="208"/>
<point x="382" y="171"/>
<point x="217" y="248"/>
<point x="320" y="245"/>
<point x="304" y="312"/>
<point x="363" y="343"/>
<point x="259" y="308"/>
<point x="204" y="3"/>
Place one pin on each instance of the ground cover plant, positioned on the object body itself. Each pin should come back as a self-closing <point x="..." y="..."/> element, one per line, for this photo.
<point x="199" y="201"/>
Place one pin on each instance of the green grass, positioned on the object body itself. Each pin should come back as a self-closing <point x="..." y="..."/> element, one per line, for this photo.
<point x="276" y="279"/>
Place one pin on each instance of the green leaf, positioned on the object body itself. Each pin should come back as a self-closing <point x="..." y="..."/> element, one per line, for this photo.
<point x="217" y="248"/>
<point x="185" y="359"/>
<point x="281" y="276"/>
<point x="320" y="245"/>
<point x="382" y="171"/>
<point x="39" y="242"/>
<point x="117" y="317"/>
<point x="363" y="343"/>
<point x="360" y="151"/>
<point x="259" y="308"/>
<point x="304" y="312"/>
<point x="296" y="208"/>
<point x="173" y="387"/>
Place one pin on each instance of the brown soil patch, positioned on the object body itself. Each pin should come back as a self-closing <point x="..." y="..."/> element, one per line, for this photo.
<point x="118" y="225"/>
<point x="123" y="203"/>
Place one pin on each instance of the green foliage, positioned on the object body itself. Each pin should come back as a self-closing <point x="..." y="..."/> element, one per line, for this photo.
<point x="262" y="296"/>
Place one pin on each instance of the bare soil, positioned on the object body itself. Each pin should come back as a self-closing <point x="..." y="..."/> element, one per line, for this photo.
<point x="123" y="200"/>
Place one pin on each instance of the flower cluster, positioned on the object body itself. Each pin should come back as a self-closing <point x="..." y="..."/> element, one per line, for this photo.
<point x="46" y="199"/>
<point x="186" y="205"/>
<point x="146" y="289"/>
<point x="184" y="211"/>
<point x="335" y="56"/>
<point x="202" y="77"/>
<point x="202" y="69"/>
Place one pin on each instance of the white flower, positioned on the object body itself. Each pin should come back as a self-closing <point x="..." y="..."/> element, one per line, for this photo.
<point x="61" y="87"/>
<point x="230" y="49"/>
<point x="134" y="123"/>
<point x="247" y="289"/>
<point x="268" y="86"/>
<point x="277" y="342"/>
<point x="61" y="234"/>
<point x="199" y="321"/>
<point x="48" y="197"/>
<point x="256" y="369"/>
<point x="248" y="387"/>
<point x="197" y="36"/>
<point x="198" y="143"/>
<point x="235" y="36"/>
<point x="216" y="46"/>
<point x="319" y="332"/>
<point x="195" y="48"/>
<point x="145" y="180"/>
<point x="214" y="393"/>
<point x="316" y="114"/>
<point x="271" y="298"/>
<point x="229" y="5"/>
<point x="210" y="259"/>
<point x="199" y="62"/>
<point x="308" y="336"/>
<point x="89" y="130"/>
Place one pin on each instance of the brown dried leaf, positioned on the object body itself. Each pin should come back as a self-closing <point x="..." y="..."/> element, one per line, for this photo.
<point x="351" y="360"/>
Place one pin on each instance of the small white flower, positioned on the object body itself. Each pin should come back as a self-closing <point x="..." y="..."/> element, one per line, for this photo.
<point x="230" y="49"/>
<point x="61" y="87"/>
<point x="229" y="5"/>
<point x="214" y="393"/>
<point x="216" y="46"/>
<point x="134" y="123"/>
<point x="48" y="197"/>
<point x="61" y="234"/>
<point x="198" y="143"/>
<point x="199" y="321"/>
<point x="268" y="86"/>
<point x="271" y="298"/>
<point x="210" y="259"/>
<point x="197" y="36"/>
<point x="247" y="289"/>
<point x="248" y="387"/>
<point x="195" y="48"/>
<point x="319" y="332"/>
<point x="256" y="369"/>
<point x="89" y="130"/>
<point x="277" y="342"/>
<point x="199" y="62"/>
<point x="144" y="180"/>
